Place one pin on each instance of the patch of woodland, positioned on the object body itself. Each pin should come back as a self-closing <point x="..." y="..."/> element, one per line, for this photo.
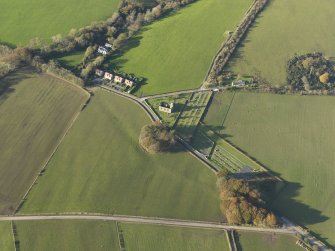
<point x="312" y="71"/>
<point x="156" y="138"/>
<point x="242" y="203"/>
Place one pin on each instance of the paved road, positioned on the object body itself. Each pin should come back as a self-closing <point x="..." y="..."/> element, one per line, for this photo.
<point x="152" y="115"/>
<point x="201" y="89"/>
<point x="145" y="220"/>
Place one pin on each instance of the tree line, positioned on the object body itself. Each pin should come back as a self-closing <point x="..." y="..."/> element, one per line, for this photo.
<point x="216" y="73"/>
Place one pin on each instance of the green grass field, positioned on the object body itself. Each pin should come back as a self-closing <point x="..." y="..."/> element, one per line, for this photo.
<point x="176" y="52"/>
<point x="23" y="20"/>
<point x="152" y="238"/>
<point x="265" y="242"/>
<point x="67" y="235"/>
<point x="103" y="169"/>
<point x="286" y="27"/>
<point x="6" y="239"/>
<point x="293" y="136"/>
<point x="35" y="112"/>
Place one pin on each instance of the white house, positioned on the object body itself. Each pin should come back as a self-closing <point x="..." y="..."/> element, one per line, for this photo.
<point x="165" y="107"/>
<point x="107" y="45"/>
<point x="102" y="50"/>
<point x="129" y="83"/>
<point x="108" y="76"/>
<point x="239" y="83"/>
<point x="118" y="79"/>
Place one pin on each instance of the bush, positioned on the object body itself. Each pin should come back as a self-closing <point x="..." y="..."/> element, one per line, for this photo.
<point x="156" y="138"/>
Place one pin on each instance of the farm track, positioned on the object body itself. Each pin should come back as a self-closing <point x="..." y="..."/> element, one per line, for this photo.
<point x="146" y="220"/>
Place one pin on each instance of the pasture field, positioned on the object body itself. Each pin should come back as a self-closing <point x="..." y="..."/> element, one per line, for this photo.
<point x="293" y="136"/>
<point x="103" y="169"/>
<point x="192" y="113"/>
<point x="6" y="239"/>
<point x="35" y="112"/>
<point x="285" y="28"/>
<point x="67" y="235"/>
<point x="24" y="20"/>
<point x="152" y="238"/>
<point x="264" y="242"/>
<point x="175" y="53"/>
<point x="179" y="103"/>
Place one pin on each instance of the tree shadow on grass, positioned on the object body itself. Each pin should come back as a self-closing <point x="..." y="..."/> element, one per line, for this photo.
<point x="281" y="197"/>
<point x="10" y="45"/>
<point x="7" y="84"/>
<point x="300" y="213"/>
<point x="238" y="54"/>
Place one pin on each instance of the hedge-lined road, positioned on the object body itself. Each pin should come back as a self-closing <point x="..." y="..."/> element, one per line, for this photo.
<point x="145" y="220"/>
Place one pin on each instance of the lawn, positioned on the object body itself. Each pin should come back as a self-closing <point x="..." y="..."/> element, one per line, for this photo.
<point x="23" y="20"/>
<point x="35" y="112"/>
<point x="175" y="52"/>
<point x="293" y="136"/>
<point x="152" y="238"/>
<point x="72" y="60"/>
<point x="264" y="242"/>
<point x="286" y="27"/>
<point x="101" y="168"/>
<point x="6" y="238"/>
<point x="67" y="235"/>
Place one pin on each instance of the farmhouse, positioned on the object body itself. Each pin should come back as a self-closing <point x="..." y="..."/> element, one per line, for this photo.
<point x="103" y="50"/>
<point x="99" y="73"/>
<point x="165" y="107"/>
<point x="118" y="79"/>
<point x="108" y="76"/>
<point x="129" y="83"/>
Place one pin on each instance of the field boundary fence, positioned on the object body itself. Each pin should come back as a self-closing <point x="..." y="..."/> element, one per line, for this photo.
<point x="16" y="241"/>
